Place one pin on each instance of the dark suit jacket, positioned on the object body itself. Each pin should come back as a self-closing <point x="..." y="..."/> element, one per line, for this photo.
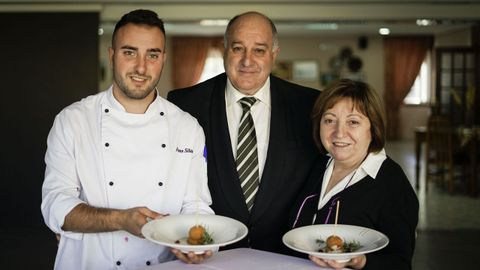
<point x="387" y="204"/>
<point x="291" y="153"/>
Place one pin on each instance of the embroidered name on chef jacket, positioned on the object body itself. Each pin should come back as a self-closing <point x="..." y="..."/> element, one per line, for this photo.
<point x="185" y="150"/>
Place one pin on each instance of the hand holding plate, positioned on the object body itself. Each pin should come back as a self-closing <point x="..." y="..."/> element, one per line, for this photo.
<point x="191" y="257"/>
<point x="355" y="263"/>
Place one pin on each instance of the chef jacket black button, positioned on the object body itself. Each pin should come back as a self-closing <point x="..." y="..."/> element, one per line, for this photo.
<point x="107" y="144"/>
<point x="110" y="183"/>
<point x="163" y="145"/>
<point x="106" y="110"/>
<point x="119" y="263"/>
<point x="160" y="183"/>
<point x="161" y="113"/>
<point x="147" y="263"/>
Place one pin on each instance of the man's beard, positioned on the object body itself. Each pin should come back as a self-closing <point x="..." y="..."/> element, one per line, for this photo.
<point x="134" y="93"/>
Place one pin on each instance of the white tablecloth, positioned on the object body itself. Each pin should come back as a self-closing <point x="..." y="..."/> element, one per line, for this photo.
<point x="242" y="259"/>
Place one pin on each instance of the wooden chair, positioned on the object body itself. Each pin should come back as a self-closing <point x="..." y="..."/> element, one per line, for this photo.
<point x="445" y="160"/>
<point x="438" y="150"/>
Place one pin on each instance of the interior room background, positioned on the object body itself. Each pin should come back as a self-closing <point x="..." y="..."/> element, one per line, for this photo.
<point x="322" y="50"/>
<point x="53" y="56"/>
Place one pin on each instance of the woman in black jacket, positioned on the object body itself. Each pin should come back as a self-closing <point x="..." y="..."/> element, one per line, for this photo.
<point x="349" y="127"/>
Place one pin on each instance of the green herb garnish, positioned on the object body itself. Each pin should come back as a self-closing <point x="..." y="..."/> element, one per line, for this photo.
<point x="207" y="238"/>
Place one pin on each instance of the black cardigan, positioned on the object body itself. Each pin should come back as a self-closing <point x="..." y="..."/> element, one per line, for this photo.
<point x="387" y="204"/>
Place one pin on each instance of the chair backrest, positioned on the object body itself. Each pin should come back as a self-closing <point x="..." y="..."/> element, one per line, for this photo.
<point x="439" y="140"/>
<point x="445" y="157"/>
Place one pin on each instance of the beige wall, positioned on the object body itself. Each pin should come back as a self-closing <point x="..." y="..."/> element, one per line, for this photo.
<point x="454" y="38"/>
<point x="322" y="49"/>
<point x="292" y="48"/>
<point x="411" y="117"/>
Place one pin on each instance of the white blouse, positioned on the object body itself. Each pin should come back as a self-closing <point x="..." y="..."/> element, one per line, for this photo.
<point x="370" y="166"/>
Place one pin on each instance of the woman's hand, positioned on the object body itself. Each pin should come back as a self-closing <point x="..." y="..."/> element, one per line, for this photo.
<point x="191" y="257"/>
<point x="355" y="263"/>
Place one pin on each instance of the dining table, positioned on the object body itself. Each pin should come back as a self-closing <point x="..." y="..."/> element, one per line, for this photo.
<point x="242" y="259"/>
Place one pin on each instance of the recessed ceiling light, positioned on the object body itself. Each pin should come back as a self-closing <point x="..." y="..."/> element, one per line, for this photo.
<point x="384" y="31"/>
<point x="322" y="26"/>
<point x="425" y="22"/>
<point x="214" y="22"/>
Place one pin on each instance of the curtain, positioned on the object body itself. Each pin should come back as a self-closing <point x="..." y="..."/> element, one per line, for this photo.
<point x="403" y="59"/>
<point x="189" y="54"/>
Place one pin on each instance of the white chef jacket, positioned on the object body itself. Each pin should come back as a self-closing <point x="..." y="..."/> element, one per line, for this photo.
<point x="103" y="156"/>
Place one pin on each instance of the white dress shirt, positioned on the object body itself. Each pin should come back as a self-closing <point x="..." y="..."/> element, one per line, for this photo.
<point x="370" y="166"/>
<point x="260" y="112"/>
<point x="101" y="155"/>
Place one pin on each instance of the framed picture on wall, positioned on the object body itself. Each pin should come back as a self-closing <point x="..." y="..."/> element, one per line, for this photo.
<point x="327" y="77"/>
<point x="305" y="70"/>
<point x="283" y="69"/>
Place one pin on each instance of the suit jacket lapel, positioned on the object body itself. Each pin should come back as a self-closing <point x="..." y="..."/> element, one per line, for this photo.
<point x="276" y="156"/>
<point x="225" y="164"/>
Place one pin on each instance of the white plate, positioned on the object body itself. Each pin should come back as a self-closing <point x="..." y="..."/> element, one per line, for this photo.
<point x="168" y="230"/>
<point x="303" y="239"/>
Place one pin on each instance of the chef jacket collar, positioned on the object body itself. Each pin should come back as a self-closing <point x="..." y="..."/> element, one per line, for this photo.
<point x="112" y="102"/>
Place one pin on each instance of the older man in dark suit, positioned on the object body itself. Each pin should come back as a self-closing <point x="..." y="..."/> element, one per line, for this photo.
<point x="258" y="130"/>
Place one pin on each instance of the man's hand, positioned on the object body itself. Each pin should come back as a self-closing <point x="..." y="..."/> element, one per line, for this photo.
<point x="133" y="219"/>
<point x="87" y="219"/>
<point x="57" y="235"/>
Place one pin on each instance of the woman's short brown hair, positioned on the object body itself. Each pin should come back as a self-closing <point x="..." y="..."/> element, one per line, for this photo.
<point x="365" y="100"/>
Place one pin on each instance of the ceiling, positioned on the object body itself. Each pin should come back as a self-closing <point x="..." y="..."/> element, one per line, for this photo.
<point x="301" y="17"/>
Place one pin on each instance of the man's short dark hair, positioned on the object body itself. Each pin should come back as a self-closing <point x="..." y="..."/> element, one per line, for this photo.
<point x="139" y="17"/>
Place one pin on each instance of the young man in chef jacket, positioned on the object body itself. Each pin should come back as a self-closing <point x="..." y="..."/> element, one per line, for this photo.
<point x="121" y="157"/>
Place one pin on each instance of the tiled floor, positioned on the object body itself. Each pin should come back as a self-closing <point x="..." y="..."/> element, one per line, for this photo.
<point x="449" y="225"/>
<point x="448" y="230"/>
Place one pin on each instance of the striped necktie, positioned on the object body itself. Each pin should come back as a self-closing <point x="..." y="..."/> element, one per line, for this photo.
<point x="247" y="156"/>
